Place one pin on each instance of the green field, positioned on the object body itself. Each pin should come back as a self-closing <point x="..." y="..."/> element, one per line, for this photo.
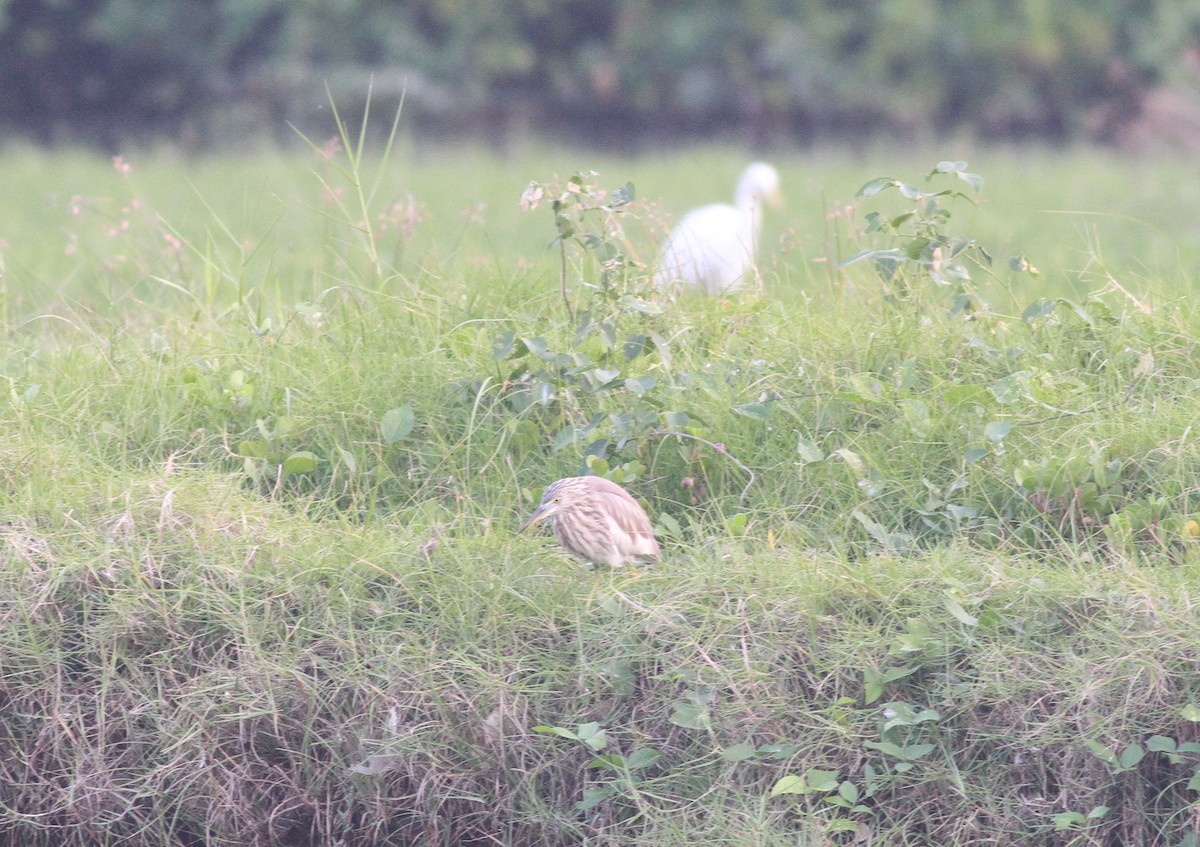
<point x="931" y="545"/>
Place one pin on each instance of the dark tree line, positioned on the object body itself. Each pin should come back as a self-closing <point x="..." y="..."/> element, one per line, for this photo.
<point x="205" y="71"/>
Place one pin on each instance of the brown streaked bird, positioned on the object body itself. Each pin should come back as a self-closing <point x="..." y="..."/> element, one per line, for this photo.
<point x="597" y="520"/>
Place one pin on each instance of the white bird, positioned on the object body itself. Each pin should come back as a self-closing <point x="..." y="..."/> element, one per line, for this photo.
<point x="712" y="248"/>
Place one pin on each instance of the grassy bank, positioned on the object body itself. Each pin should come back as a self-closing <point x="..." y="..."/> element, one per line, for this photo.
<point x="930" y="544"/>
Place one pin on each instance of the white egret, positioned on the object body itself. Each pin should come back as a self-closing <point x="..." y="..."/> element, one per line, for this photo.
<point x="712" y="249"/>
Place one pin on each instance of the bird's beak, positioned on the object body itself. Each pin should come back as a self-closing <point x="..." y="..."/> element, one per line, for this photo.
<point x="533" y="519"/>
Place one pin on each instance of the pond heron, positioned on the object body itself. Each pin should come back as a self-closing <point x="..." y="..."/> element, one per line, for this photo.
<point x="597" y="520"/>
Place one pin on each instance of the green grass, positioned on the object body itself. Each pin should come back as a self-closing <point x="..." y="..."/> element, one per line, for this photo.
<point x="242" y="603"/>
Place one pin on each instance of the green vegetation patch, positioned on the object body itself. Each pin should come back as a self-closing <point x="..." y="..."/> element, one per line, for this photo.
<point x="928" y="512"/>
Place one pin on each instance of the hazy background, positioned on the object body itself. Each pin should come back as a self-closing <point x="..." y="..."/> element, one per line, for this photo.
<point x="622" y="74"/>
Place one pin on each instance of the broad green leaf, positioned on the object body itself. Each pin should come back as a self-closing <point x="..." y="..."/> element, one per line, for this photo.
<point x="841" y="825"/>
<point x="1131" y="755"/>
<point x="1067" y="820"/>
<point x="1190" y="712"/>
<point x="738" y="753"/>
<point x="608" y="762"/>
<point x="874" y="186"/>
<point x="504" y="346"/>
<point x="997" y="430"/>
<point x="397" y="423"/>
<point x="254" y="449"/>
<point x="565" y="437"/>
<point x="887" y="748"/>
<point x="538" y="347"/>
<point x="669" y="526"/>
<point x="1102" y="753"/>
<point x="302" y="461"/>
<point x="821" y="780"/>
<point x="593" y="797"/>
<point x="916" y="415"/>
<point x="809" y="451"/>
<point x="962" y="615"/>
<point x="642" y="758"/>
<point x="641" y="385"/>
<point x="689" y="714"/>
<point x="592" y="735"/>
<point x="754" y="411"/>
<point x="790" y="784"/>
<point x="1160" y="744"/>
<point x="916" y="751"/>
<point x="348" y="459"/>
<point x="635" y="345"/>
<point x="603" y="376"/>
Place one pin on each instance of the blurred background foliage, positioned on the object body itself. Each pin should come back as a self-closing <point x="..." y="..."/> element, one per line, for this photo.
<point x="608" y="71"/>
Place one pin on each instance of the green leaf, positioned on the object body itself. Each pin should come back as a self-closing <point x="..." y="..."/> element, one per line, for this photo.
<point x="608" y="762"/>
<point x="593" y="797"/>
<point x="635" y="345"/>
<point x="592" y="735"/>
<point x="754" y="411"/>
<point x="916" y="751"/>
<point x="1190" y="712"/>
<point x="1131" y="755"/>
<point x="669" y="526"/>
<point x="556" y="730"/>
<point x="848" y="791"/>
<point x="1097" y="812"/>
<point x="348" y="459"/>
<point x="1102" y="753"/>
<point x="916" y="415"/>
<point x="790" y="784"/>
<point x="973" y="180"/>
<point x="948" y="167"/>
<point x="955" y="608"/>
<point x="874" y="186"/>
<point x="397" y="423"/>
<point x="997" y="430"/>
<point x="841" y="825"/>
<point x="254" y="449"/>
<point x="689" y="714"/>
<point x="603" y="376"/>
<point x="300" y="462"/>
<point x="887" y="748"/>
<point x="504" y="346"/>
<point x="738" y="753"/>
<point x="1194" y="782"/>
<point x="1160" y="744"/>
<point x="809" y="451"/>
<point x="565" y="437"/>
<point x="642" y="758"/>
<point x="641" y="385"/>
<point x="821" y="780"/>
<point x="539" y="347"/>
<point x="1067" y="820"/>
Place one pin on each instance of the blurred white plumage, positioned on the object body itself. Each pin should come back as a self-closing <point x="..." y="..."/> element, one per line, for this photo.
<point x="712" y="249"/>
